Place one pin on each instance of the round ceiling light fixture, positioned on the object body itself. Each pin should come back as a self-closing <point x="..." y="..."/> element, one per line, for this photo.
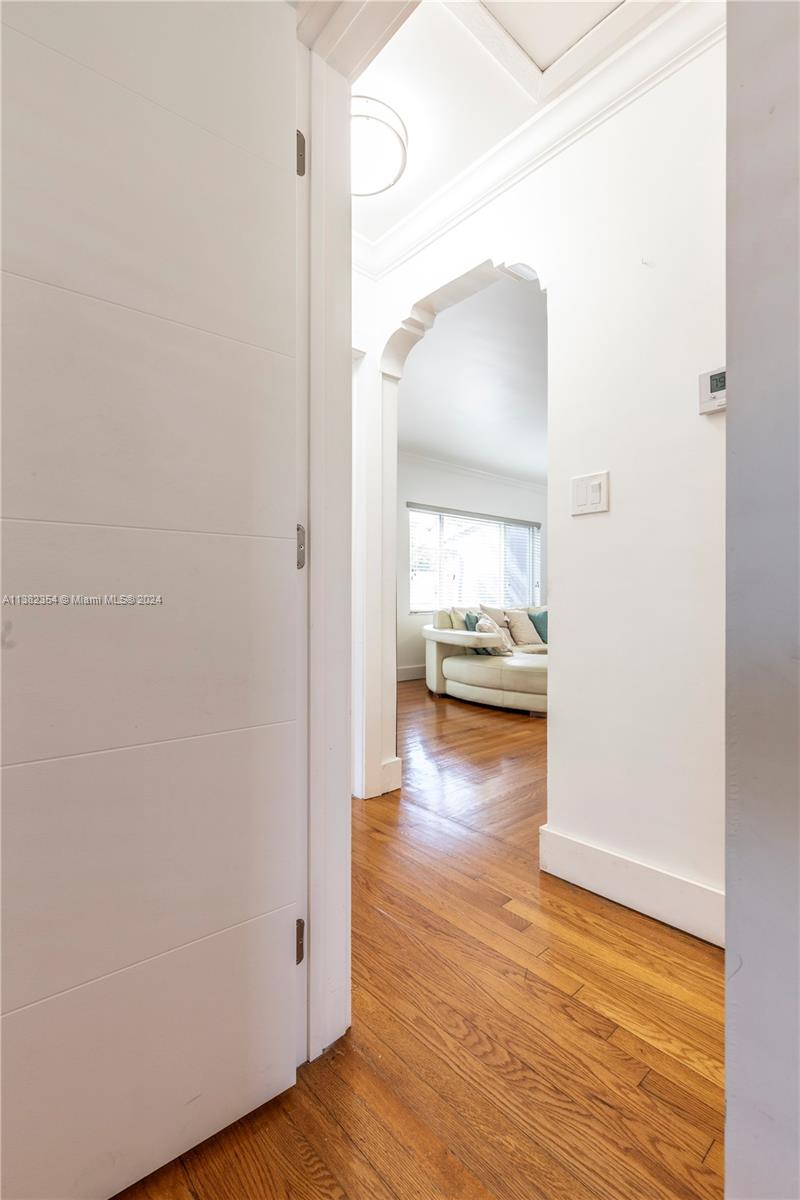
<point x="378" y="146"/>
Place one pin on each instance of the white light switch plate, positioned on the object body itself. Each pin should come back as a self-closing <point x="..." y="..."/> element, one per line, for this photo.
<point x="590" y="494"/>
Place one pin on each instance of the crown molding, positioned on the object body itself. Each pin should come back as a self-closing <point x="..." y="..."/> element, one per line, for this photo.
<point x="443" y="464"/>
<point x="363" y="251"/>
<point x="685" y="31"/>
<point x="620" y="26"/>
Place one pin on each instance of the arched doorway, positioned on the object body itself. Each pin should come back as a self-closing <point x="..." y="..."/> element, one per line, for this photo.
<point x="377" y="767"/>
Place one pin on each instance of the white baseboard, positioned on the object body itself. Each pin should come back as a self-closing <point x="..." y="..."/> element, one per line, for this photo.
<point x="404" y="673"/>
<point x="684" y="903"/>
<point x="391" y="775"/>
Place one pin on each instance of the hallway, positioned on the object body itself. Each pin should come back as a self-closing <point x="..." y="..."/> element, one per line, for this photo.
<point x="513" y="1036"/>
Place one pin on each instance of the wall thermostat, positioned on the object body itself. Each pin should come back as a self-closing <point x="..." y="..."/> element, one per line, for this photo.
<point x="712" y="392"/>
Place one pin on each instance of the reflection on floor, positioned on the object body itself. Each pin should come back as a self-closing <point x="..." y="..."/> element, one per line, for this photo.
<point x="513" y="1037"/>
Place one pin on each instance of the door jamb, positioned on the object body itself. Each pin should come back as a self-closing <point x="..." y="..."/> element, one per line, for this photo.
<point x="329" y="540"/>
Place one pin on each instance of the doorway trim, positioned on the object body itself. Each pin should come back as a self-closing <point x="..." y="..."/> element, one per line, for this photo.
<point x="341" y="44"/>
<point x="328" y="539"/>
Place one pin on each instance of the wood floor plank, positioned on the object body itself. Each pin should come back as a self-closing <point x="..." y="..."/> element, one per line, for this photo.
<point x="715" y="1159"/>
<point x="346" y="1162"/>
<point x="593" y="1144"/>
<point x="450" y="881"/>
<point x="263" y="1155"/>
<point x="170" y="1183"/>
<point x="456" y="846"/>
<point x="420" y="1163"/>
<point x="651" y="1026"/>
<point x="514" y="1037"/>
<point x="477" y="850"/>
<point x="512" y="1162"/>
<point x="480" y="962"/>
<point x="686" y="1102"/>
<point x="501" y="865"/>
<point x="672" y="1068"/>
<point x="557" y="1056"/>
<point x="579" y="931"/>
<point x="451" y="900"/>
<point x="692" y="955"/>
<point x="639" y="983"/>
<point x="488" y="952"/>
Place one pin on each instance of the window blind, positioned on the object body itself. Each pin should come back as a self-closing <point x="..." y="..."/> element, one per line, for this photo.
<point x="458" y="558"/>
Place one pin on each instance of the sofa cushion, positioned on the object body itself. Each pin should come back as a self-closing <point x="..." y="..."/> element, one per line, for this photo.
<point x="471" y="621"/>
<point x="523" y="630"/>
<point x="487" y="625"/>
<point x="539" y="622"/>
<point x="526" y="673"/>
<point x="497" y="614"/>
<point x="518" y="673"/>
<point x="457" y="617"/>
<point x="483" y="672"/>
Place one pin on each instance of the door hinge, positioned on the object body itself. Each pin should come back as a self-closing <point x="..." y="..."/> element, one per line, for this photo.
<point x="300" y="941"/>
<point x="301" y="153"/>
<point x="301" y="547"/>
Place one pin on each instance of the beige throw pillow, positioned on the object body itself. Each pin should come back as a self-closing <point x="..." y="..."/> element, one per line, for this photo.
<point x="523" y="630"/>
<point x="496" y="614"/>
<point x="457" y="617"/>
<point x="487" y="625"/>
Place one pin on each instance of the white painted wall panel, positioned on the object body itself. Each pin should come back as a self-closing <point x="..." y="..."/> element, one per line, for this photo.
<point x="117" y="417"/>
<point x="151" y="868"/>
<point x="145" y="1062"/>
<point x="178" y="834"/>
<point x="152" y="211"/>
<point x="213" y="656"/>
<point x="228" y="83"/>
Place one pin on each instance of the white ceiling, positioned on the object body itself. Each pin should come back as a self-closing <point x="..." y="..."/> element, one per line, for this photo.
<point x="456" y="101"/>
<point x="466" y="75"/>
<point x="474" y="390"/>
<point x="546" y="29"/>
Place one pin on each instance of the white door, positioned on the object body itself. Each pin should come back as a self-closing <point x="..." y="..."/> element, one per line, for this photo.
<point x="152" y="809"/>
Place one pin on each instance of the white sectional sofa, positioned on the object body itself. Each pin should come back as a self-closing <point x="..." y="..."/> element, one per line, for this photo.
<point x="452" y="668"/>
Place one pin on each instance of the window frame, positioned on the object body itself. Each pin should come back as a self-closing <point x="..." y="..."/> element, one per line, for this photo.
<point x="533" y="527"/>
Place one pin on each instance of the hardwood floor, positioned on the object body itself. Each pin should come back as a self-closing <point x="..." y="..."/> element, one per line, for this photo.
<point x="514" y="1037"/>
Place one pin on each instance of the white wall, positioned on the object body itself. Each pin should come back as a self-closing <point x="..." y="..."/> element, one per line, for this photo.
<point x="626" y="228"/>
<point x="763" y="1029"/>
<point x="444" y="485"/>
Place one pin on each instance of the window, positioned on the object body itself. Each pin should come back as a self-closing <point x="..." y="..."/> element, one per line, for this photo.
<point x="461" y="558"/>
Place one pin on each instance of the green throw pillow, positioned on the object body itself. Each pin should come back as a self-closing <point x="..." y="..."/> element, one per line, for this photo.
<point x="539" y="621"/>
<point x="471" y="622"/>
